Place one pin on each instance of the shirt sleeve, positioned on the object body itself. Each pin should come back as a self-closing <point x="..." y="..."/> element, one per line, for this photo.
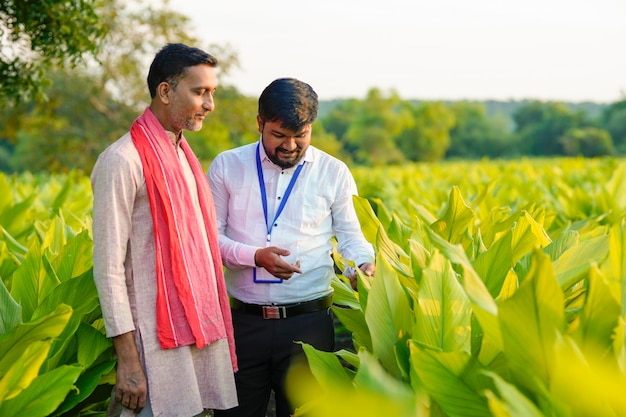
<point x="351" y="243"/>
<point x="114" y="194"/>
<point x="235" y="255"/>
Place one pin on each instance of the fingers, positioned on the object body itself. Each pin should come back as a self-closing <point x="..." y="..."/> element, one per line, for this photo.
<point x="131" y="391"/>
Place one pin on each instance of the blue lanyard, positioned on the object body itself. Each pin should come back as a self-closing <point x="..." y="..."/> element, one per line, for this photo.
<point x="259" y="170"/>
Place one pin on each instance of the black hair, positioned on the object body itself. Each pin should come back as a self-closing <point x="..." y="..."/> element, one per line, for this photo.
<point x="171" y="62"/>
<point x="290" y="101"/>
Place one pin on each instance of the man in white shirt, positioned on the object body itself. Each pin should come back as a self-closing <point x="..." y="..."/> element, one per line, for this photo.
<point x="278" y="203"/>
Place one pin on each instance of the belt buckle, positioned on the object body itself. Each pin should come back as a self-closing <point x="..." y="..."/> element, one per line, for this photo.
<point x="274" y="312"/>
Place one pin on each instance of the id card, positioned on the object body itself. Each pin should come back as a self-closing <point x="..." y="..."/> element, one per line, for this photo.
<point x="262" y="276"/>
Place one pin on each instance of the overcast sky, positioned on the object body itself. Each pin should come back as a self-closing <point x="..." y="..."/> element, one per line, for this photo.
<point x="569" y="50"/>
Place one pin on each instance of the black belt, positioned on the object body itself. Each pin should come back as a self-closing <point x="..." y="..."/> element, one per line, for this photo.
<point x="282" y="311"/>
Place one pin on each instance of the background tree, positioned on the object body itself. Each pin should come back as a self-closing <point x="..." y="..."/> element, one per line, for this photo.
<point x="587" y="141"/>
<point x="37" y="35"/>
<point x="374" y="124"/>
<point x="613" y="119"/>
<point x="92" y="105"/>
<point x="474" y="135"/>
<point x="540" y="125"/>
<point x="428" y="138"/>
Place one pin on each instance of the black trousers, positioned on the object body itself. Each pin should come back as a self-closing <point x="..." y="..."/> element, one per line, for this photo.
<point x="266" y="349"/>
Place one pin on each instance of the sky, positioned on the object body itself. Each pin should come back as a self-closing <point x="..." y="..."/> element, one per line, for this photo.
<point x="556" y="50"/>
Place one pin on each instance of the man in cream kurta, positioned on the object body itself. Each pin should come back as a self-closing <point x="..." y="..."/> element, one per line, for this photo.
<point x="156" y="378"/>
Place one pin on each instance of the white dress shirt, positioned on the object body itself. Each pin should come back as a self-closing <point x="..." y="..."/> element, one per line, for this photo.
<point x="319" y="207"/>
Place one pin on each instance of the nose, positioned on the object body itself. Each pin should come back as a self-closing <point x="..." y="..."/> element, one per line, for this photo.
<point x="209" y="102"/>
<point x="289" y="143"/>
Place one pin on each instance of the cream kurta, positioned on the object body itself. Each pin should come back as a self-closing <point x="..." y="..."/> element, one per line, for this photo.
<point x="181" y="381"/>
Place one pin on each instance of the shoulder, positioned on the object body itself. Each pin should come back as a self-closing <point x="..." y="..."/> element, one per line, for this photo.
<point x="119" y="158"/>
<point x="242" y="154"/>
<point x="324" y="161"/>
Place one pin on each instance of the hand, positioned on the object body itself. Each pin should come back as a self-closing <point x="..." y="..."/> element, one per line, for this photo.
<point x="271" y="259"/>
<point x="367" y="268"/>
<point x="130" y="387"/>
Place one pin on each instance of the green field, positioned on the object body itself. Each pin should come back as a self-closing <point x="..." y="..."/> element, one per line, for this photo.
<point x="499" y="291"/>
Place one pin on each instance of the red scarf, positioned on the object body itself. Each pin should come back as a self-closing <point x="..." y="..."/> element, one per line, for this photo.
<point x="188" y="309"/>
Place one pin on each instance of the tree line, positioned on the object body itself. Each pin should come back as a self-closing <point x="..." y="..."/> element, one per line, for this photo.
<point x="66" y="110"/>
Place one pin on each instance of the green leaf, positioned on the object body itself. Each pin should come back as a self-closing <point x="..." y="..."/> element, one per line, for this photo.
<point x="483" y="305"/>
<point x="354" y="320"/>
<point x="511" y="401"/>
<point x="599" y="317"/>
<point x="387" y="314"/>
<point x="23" y="370"/>
<point x="326" y="367"/>
<point x="457" y="218"/>
<point x="91" y="344"/>
<point x="43" y="395"/>
<point x="443" y="312"/>
<point x="48" y="327"/>
<point x="530" y="320"/>
<point x="30" y="283"/>
<point x="574" y="263"/>
<point x="10" y="310"/>
<point x="452" y="379"/>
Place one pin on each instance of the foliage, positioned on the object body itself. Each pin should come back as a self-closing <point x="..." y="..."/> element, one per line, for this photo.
<point x="614" y="121"/>
<point x="38" y="35"/>
<point x="55" y="357"/>
<point x="91" y="106"/>
<point x="482" y="309"/>
<point x="539" y="125"/>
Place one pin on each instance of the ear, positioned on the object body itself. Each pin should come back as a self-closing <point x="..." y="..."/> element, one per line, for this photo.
<point x="259" y="123"/>
<point x="163" y="91"/>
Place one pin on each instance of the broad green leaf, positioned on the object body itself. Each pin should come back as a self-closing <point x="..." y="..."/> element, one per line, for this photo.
<point x="526" y="236"/>
<point x="354" y="320"/>
<point x="531" y="320"/>
<point x="79" y="293"/>
<point x="325" y="366"/>
<point x="377" y="394"/>
<point x="16" y="218"/>
<point x="615" y="266"/>
<point x="510" y="402"/>
<point x="54" y="238"/>
<point x="599" y="316"/>
<point x="494" y="264"/>
<point x="10" y="311"/>
<point x="388" y="314"/>
<point x="616" y="187"/>
<point x="457" y="218"/>
<point x="24" y="370"/>
<point x="43" y="395"/>
<point x="75" y="258"/>
<point x="343" y="294"/>
<point x="48" y="327"/>
<point x="91" y="344"/>
<point x="30" y="283"/>
<point x="15" y="247"/>
<point x="452" y="379"/>
<point x="86" y="383"/>
<point x="443" y="311"/>
<point x="375" y="233"/>
<point x="574" y="263"/>
<point x="483" y="305"/>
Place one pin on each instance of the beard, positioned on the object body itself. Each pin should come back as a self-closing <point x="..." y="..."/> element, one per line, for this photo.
<point x="289" y="162"/>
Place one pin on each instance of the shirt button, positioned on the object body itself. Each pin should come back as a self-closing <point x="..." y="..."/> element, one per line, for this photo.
<point x="278" y="197"/>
